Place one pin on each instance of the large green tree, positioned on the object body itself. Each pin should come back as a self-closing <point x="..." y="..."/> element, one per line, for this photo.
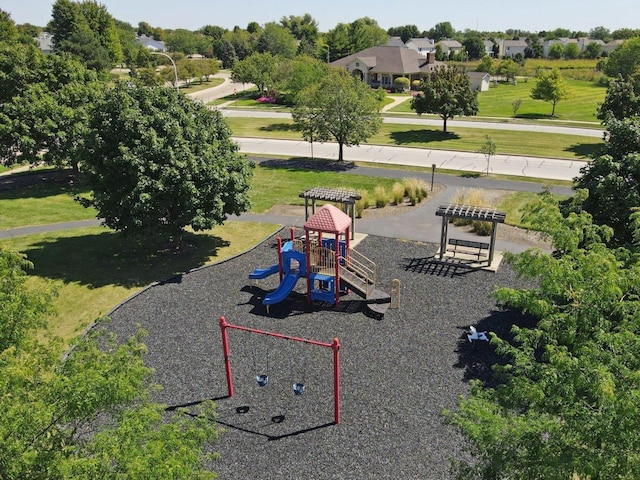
<point x="625" y="59"/>
<point x="262" y="69"/>
<point x="446" y="92"/>
<point x="46" y="105"/>
<point x="74" y="25"/>
<point x="551" y="87"/>
<point x="277" y="40"/>
<point x="89" y="414"/>
<point x="565" y="404"/>
<point x="158" y="162"/>
<point x="622" y="99"/>
<point x="338" y="106"/>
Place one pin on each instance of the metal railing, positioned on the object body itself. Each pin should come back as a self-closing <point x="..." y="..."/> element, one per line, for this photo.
<point x="360" y="265"/>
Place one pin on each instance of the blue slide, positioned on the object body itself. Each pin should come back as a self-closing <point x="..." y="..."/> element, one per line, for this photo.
<point x="260" y="273"/>
<point x="284" y="289"/>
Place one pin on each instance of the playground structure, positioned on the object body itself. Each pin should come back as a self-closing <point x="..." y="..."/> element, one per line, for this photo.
<point x="329" y="265"/>
<point x="298" y="387"/>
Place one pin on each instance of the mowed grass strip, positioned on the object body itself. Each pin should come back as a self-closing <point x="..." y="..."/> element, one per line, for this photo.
<point x="466" y="139"/>
<point x="40" y="205"/>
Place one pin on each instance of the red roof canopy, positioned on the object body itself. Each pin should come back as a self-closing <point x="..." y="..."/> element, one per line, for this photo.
<point x="328" y="219"/>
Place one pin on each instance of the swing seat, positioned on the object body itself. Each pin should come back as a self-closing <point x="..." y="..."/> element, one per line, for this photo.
<point x="298" y="388"/>
<point x="262" y="380"/>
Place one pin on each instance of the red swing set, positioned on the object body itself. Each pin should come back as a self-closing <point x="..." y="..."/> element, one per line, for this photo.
<point x="335" y="346"/>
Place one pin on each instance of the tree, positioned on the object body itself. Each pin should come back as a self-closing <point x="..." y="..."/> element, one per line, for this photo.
<point x="301" y="27"/>
<point x="365" y="33"/>
<point x="45" y="110"/>
<point x="556" y="51"/>
<point x="565" y="404"/>
<point x="474" y="47"/>
<point x="488" y="149"/>
<point x="73" y="24"/>
<point x="508" y="68"/>
<point x="485" y="65"/>
<point x="158" y="162"/>
<point x="225" y="52"/>
<point x="446" y="92"/>
<point x="89" y="415"/>
<point x="302" y="72"/>
<point x="338" y="106"/>
<point x="8" y="30"/>
<point x="571" y="51"/>
<point x="600" y="33"/>
<point x="259" y="68"/>
<point x="593" y="50"/>
<point x="277" y="40"/>
<point x="622" y="99"/>
<point x="551" y="87"/>
<point x="441" y="31"/>
<point x="406" y="32"/>
<point x="625" y="59"/>
<point x="612" y="179"/>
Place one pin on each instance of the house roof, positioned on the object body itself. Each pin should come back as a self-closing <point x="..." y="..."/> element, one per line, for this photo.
<point x="328" y="219"/>
<point x="450" y="43"/>
<point x="421" y="42"/>
<point x="395" y="42"/>
<point x="151" y="43"/>
<point x="385" y="59"/>
<point x="515" y="43"/>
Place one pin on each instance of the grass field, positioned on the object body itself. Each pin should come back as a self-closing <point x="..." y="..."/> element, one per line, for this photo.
<point x="463" y="139"/>
<point x="497" y="102"/>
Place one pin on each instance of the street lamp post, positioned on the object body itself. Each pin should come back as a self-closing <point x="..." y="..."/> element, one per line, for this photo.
<point x="175" y="69"/>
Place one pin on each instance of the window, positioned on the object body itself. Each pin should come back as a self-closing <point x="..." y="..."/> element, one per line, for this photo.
<point x="386" y="80"/>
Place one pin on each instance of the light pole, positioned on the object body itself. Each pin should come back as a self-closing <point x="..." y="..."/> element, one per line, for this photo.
<point x="175" y="69"/>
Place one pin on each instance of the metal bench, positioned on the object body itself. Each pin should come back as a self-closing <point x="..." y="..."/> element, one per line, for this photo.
<point x="459" y="245"/>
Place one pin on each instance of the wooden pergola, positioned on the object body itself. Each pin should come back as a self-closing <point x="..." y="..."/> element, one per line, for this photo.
<point x="470" y="212"/>
<point x="347" y="198"/>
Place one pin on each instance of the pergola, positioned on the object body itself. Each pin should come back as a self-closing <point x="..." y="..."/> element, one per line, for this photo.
<point x="470" y="212"/>
<point x="347" y="198"/>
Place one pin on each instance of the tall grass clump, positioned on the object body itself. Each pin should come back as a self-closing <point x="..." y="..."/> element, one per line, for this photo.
<point x="363" y="203"/>
<point x="415" y="189"/>
<point x="473" y="197"/>
<point x="380" y="195"/>
<point x="397" y="191"/>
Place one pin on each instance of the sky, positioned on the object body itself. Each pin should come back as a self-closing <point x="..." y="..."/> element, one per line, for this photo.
<point x="483" y="15"/>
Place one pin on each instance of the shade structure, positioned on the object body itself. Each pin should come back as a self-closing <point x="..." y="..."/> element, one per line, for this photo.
<point x="328" y="219"/>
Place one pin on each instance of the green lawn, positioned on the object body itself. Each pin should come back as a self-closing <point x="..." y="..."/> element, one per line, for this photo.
<point x="572" y="147"/>
<point x="94" y="269"/>
<point x="497" y="102"/>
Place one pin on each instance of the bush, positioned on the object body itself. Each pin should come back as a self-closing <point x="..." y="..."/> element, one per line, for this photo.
<point x="415" y="189"/>
<point x="401" y="83"/>
<point x="481" y="228"/>
<point x="362" y="204"/>
<point x="380" y="195"/>
<point x="416" y="84"/>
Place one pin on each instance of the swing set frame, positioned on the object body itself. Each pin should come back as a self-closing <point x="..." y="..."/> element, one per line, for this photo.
<point x="334" y="345"/>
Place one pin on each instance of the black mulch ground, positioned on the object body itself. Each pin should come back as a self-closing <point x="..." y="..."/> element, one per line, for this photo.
<point x="398" y="373"/>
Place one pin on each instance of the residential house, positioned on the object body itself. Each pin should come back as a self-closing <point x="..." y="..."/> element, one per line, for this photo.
<point x="479" y="81"/>
<point x="488" y="48"/>
<point x="450" y="47"/>
<point x="611" y="46"/>
<point x="511" y="48"/>
<point x="151" y="44"/>
<point x="395" y="42"/>
<point x="584" y="41"/>
<point x="45" y="42"/>
<point x="563" y="41"/>
<point x="422" y="45"/>
<point x="380" y="66"/>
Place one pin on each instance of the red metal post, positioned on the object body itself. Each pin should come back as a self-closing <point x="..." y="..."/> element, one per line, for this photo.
<point x="336" y="261"/>
<point x="335" y="346"/>
<point x="227" y="361"/>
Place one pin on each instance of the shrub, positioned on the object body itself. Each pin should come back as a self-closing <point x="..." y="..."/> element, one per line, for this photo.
<point x="401" y="83"/>
<point x="397" y="192"/>
<point x="362" y="204"/>
<point x="380" y="194"/>
<point x="416" y="84"/>
<point x="481" y="228"/>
